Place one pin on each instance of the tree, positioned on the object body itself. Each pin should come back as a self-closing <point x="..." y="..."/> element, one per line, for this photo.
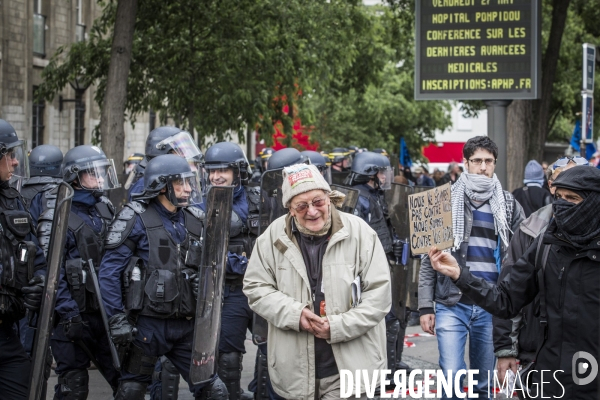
<point x="113" y="112"/>
<point x="217" y="67"/>
<point x="371" y="105"/>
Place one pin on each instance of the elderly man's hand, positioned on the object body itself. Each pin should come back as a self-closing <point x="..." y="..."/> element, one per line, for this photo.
<point x="322" y="330"/>
<point x="444" y="263"/>
<point x="307" y="320"/>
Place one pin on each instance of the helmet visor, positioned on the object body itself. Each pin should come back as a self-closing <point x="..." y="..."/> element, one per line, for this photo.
<point x="184" y="190"/>
<point x="385" y="176"/>
<point x="183" y="145"/>
<point x="98" y="175"/>
<point x="326" y="172"/>
<point x="15" y="164"/>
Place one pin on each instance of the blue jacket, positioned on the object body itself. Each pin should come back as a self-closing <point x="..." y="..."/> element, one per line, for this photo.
<point x="65" y="305"/>
<point x="116" y="260"/>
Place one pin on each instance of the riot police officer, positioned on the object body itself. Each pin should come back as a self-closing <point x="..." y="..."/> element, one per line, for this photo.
<point x="340" y="159"/>
<point x="153" y="251"/>
<point x="134" y="183"/>
<point x="44" y="166"/>
<point x="371" y="174"/>
<point x="23" y="266"/>
<point x="320" y="162"/>
<point x="226" y="165"/>
<point x="80" y="333"/>
<point x="260" y="164"/>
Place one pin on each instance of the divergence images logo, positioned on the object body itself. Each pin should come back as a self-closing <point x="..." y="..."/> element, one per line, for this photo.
<point x="580" y="367"/>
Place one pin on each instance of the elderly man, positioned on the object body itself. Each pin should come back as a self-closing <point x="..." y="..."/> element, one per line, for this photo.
<point x="300" y="280"/>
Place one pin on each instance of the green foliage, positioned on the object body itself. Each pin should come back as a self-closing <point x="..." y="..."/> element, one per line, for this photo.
<point x="218" y="66"/>
<point x="372" y="103"/>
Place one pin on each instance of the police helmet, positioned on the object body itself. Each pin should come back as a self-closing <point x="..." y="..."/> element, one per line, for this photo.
<point x="315" y="159"/>
<point x="46" y="160"/>
<point x="228" y="155"/>
<point x="339" y="154"/>
<point x="381" y="151"/>
<point x="285" y="158"/>
<point x="87" y="167"/>
<point x="266" y="153"/>
<point x="173" y="176"/>
<point x="366" y="167"/>
<point x="15" y="148"/>
<point x="155" y="137"/>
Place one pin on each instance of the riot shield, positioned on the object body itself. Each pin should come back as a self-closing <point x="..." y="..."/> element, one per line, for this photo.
<point x="219" y="203"/>
<point x="56" y="248"/>
<point x="397" y="200"/>
<point x="270" y="186"/>
<point x="351" y="197"/>
<point x="338" y="178"/>
<point x="120" y="196"/>
<point x="271" y="205"/>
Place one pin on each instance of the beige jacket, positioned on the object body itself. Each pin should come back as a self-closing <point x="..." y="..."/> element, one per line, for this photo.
<point x="277" y="286"/>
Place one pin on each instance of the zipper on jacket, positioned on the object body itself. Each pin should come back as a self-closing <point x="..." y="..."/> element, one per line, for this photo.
<point x="563" y="287"/>
<point x="178" y="279"/>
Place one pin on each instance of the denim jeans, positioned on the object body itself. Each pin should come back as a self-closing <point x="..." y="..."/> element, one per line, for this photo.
<point x="452" y="324"/>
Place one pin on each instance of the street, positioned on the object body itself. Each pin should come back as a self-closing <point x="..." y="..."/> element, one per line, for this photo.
<point x="420" y="352"/>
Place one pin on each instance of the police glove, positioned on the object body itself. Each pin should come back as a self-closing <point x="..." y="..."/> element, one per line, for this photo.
<point x="73" y="328"/>
<point x="33" y="293"/>
<point x="195" y="280"/>
<point x="397" y="247"/>
<point x="121" y="331"/>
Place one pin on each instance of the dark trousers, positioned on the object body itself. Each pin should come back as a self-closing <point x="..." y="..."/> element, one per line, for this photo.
<point x="70" y="356"/>
<point x="166" y="337"/>
<point x="236" y="319"/>
<point x="15" y="365"/>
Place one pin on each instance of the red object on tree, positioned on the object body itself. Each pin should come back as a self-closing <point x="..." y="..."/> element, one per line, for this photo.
<point x="446" y="152"/>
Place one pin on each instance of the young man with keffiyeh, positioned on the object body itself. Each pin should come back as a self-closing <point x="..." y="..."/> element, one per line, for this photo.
<point x="483" y="218"/>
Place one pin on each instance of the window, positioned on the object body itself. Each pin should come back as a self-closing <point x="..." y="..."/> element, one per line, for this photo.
<point x="37" y="6"/>
<point x="79" y="118"/>
<point x="39" y="35"/>
<point x="80" y="26"/>
<point x="37" y="134"/>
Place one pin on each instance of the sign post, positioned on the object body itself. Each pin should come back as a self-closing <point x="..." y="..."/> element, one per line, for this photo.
<point x="479" y="50"/>
<point x="587" y="94"/>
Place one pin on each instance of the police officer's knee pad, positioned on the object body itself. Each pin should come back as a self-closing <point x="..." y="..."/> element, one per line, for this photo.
<point x="262" y="388"/>
<point x="214" y="391"/>
<point x="131" y="390"/>
<point x="138" y="363"/>
<point x="230" y="366"/>
<point x="73" y="384"/>
<point x="169" y="379"/>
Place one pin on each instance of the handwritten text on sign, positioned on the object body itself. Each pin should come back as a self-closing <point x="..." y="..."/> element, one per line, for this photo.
<point x="431" y="219"/>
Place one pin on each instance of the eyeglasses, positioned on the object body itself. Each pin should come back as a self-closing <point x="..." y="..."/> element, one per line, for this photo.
<point x="561" y="162"/>
<point x="478" y="161"/>
<point x="318" y="202"/>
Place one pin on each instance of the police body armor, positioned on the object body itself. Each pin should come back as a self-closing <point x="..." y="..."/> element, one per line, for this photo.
<point x="159" y="289"/>
<point x="38" y="184"/>
<point x="242" y="236"/>
<point x="16" y="254"/>
<point x="90" y="245"/>
<point x="377" y="219"/>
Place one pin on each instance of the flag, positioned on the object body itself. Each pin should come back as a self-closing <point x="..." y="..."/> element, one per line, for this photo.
<point x="576" y="137"/>
<point x="405" y="160"/>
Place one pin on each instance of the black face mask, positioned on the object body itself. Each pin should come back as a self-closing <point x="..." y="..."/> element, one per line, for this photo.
<point x="580" y="223"/>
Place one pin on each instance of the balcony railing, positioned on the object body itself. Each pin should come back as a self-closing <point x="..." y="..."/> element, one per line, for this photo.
<point x="79" y="33"/>
<point x="39" y="35"/>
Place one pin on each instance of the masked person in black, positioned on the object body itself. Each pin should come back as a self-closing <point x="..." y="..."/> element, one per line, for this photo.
<point x="153" y="253"/>
<point x="562" y="267"/>
<point x="23" y="266"/>
<point x="80" y="333"/>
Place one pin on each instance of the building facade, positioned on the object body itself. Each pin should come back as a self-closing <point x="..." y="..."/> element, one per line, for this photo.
<point x="30" y="33"/>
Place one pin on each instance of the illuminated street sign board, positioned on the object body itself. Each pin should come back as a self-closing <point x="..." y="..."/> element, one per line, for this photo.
<point x="477" y="49"/>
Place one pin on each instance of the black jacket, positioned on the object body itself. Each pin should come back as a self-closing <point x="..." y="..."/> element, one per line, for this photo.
<point x="572" y="293"/>
<point x="532" y="198"/>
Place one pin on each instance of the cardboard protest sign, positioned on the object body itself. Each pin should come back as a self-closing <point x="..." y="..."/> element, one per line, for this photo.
<point x="431" y="219"/>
